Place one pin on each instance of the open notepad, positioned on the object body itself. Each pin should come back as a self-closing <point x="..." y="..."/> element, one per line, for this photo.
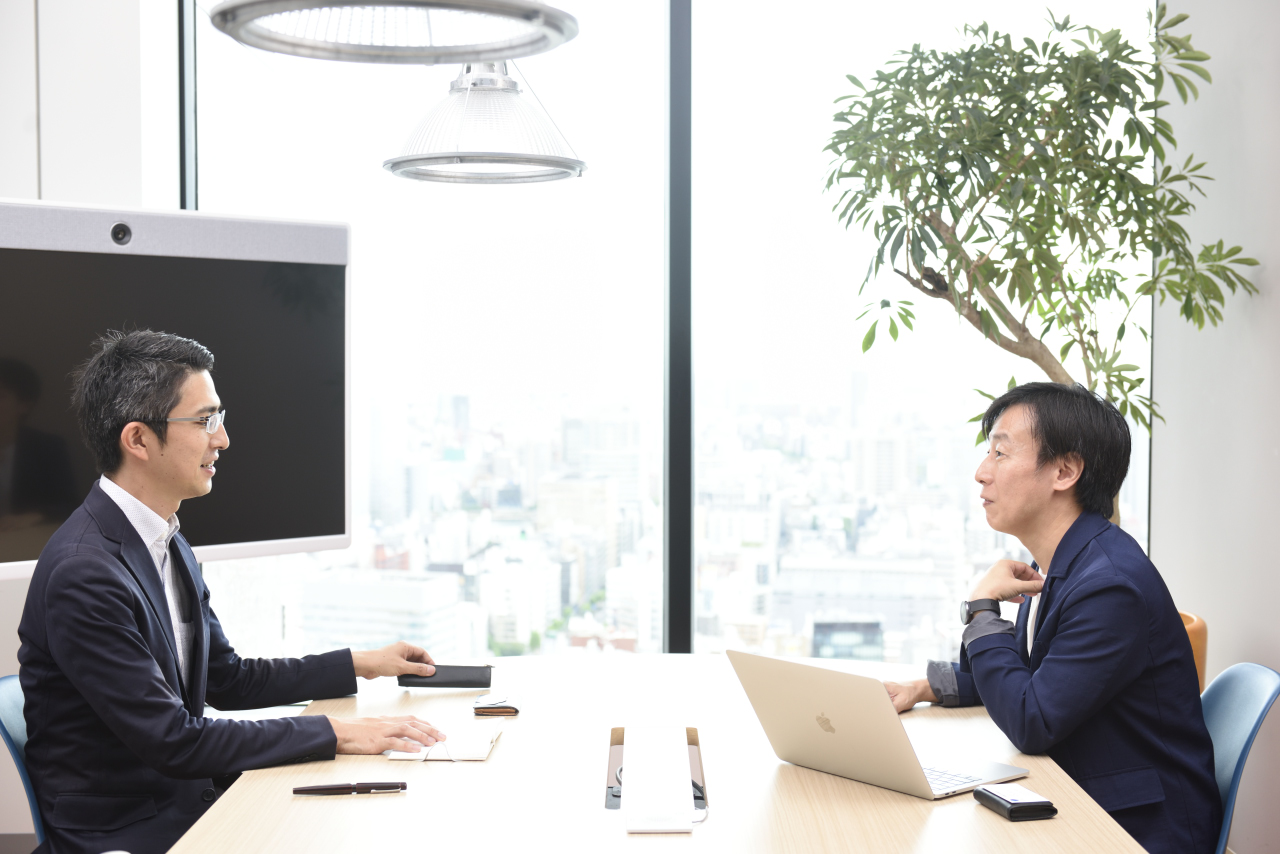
<point x="467" y="745"/>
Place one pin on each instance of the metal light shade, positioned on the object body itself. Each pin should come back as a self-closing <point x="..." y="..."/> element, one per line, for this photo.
<point x="484" y="132"/>
<point x="421" y="32"/>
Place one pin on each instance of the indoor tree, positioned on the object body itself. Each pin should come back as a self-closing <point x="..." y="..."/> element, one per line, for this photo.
<point x="1032" y="187"/>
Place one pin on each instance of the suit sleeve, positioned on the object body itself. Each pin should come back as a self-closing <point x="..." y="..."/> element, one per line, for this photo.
<point x="256" y="683"/>
<point x="1096" y="651"/>
<point x="95" y="639"/>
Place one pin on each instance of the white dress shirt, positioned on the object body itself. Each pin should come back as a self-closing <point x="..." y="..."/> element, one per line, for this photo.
<point x="156" y="534"/>
<point x="1031" y="621"/>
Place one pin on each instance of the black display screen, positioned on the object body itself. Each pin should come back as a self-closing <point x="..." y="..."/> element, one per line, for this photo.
<point x="276" y="331"/>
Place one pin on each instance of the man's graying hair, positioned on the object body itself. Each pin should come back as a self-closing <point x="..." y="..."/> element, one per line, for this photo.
<point x="131" y="376"/>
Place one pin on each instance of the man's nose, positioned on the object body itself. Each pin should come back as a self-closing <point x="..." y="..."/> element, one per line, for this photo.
<point x="221" y="439"/>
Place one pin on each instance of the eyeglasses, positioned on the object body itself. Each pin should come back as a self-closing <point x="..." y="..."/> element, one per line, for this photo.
<point x="211" y="422"/>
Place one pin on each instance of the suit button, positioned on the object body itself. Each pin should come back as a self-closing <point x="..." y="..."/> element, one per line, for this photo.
<point x="207" y="794"/>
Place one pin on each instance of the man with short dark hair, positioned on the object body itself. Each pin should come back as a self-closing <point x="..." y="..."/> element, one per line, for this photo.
<point x="120" y="648"/>
<point x="1097" y="671"/>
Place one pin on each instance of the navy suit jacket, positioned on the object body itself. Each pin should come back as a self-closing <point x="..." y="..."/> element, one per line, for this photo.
<point x="119" y="751"/>
<point x="1109" y="691"/>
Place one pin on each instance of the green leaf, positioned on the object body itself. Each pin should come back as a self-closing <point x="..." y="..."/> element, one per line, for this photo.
<point x="1013" y="383"/>
<point x="893" y="329"/>
<point x="870" y="337"/>
<point x="884" y="303"/>
<point x="984" y="394"/>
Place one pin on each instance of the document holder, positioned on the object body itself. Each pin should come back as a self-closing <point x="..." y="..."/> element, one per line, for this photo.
<point x="451" y="676"/>
<point x="613" y="786"/>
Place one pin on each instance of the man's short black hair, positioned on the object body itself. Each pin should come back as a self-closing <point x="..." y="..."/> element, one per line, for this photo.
<point x="131" y="376"/>
<point x="1070" y="419"/>
<point x="21" y="379"/>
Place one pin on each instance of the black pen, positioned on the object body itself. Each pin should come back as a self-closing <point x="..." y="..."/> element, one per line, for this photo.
<point x="350" y="788"/>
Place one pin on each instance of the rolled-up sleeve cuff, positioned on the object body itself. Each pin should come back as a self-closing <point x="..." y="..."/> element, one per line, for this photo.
<point x="942" y="680"/>
<point x="986" y="623"/>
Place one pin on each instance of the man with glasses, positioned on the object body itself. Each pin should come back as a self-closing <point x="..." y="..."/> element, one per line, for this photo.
<point x="120" y="648"/>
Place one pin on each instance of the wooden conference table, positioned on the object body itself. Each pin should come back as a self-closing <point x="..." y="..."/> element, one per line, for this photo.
<point x="543" y="785"/>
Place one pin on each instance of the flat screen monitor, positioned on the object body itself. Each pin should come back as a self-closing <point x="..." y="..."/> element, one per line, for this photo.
<point x="269" y="299"/>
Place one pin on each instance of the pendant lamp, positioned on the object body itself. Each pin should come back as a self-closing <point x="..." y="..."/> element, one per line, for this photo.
<point x="419" y="32"/>
<point x="485" y="132"/>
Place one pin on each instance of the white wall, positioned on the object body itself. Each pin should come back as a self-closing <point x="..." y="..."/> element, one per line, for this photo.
<point x="1216" y="461"/>
<point x="88" y="115"/>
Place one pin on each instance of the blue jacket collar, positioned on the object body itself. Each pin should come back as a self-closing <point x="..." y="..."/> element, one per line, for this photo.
<point x="1080" y="534"/>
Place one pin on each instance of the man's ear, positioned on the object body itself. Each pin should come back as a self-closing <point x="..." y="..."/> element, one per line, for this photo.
<point x="1067" y="471"/>
<point x="138" y="441"/>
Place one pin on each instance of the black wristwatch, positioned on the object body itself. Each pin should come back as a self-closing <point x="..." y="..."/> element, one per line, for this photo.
<point x="969" y="609"/>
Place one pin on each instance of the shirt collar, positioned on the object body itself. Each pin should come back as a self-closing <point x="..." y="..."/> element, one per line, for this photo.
<point x="150" y="526"/>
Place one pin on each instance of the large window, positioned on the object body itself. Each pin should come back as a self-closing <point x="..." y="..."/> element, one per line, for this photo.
<point x="836" y="511"/>
<point x="508" y="354"/>
<point x="507" y="351"/>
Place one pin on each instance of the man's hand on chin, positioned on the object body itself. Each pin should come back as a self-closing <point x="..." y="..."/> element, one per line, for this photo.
<point x="398" y="659"/>
<point x="1008" y="581"/>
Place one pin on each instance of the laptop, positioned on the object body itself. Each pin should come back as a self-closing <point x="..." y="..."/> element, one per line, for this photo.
<point x="846" y="725"/>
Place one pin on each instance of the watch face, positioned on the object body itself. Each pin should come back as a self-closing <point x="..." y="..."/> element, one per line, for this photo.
<point x="964" y="613"/>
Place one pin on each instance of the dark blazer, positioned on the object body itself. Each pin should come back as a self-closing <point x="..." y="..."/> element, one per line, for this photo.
<point x="119" y="751"/>
<point x="1109" y="690"/>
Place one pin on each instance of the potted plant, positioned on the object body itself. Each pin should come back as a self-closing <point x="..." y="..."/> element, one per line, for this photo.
<point x="1032" y="188"/>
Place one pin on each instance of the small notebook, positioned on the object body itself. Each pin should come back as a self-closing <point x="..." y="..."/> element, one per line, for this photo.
<point x="468" y="745"/>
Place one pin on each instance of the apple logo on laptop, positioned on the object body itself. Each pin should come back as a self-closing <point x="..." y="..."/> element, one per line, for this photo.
<point x="825" y="722"/>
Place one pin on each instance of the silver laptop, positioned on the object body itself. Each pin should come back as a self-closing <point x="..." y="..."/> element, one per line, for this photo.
<point x="846" y="725"/>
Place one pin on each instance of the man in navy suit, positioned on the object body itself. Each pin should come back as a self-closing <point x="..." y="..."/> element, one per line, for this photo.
<point x="120" y="649"/>
<point x="1097" y="672"/>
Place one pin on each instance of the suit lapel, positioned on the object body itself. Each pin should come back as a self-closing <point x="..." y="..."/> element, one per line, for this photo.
<point x="117" y="528"/>
<point x="189" y="571"/>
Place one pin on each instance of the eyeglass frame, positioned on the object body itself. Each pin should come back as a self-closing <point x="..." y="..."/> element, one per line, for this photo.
<point x="211" y="422"/>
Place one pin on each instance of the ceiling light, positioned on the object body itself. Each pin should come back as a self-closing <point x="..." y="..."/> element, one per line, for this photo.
<point x="484" y="132"/>
<point x="422" y="32"/>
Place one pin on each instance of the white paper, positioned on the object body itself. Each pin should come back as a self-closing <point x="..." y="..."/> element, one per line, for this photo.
<point x="657" y="795"/>
<point x="467" y="745"/>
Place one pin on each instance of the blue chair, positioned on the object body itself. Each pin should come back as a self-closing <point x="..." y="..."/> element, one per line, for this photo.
<point x="1235" y="705"/>
<point x="13" y="729"/>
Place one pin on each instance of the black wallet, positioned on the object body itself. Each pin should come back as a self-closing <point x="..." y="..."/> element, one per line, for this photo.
<point x="1014" y="802"/>
<point x="452" y="676"/>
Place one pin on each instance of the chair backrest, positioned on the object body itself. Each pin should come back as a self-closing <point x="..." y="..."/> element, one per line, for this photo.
<point x="13" y="731"/>
<point x="1235" y="705"/>
<point x="1198" y="634"/>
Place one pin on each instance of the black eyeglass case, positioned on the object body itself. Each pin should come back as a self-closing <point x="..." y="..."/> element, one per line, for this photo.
<point x="451" y="676"/>
<point x="1021" y="808"/>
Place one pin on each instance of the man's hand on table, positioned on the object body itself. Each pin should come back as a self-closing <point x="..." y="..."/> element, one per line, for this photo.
<point x="904" y="696"/>
<point x="374" y="735"/>
<point x="399" y="659"/>
<point x="1007" y="581"/>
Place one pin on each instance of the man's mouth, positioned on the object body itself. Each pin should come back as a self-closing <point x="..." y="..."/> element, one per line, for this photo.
<point x="209" y="466"/>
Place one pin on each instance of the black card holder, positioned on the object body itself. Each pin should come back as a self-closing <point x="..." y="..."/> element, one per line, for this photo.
<point x="451" y="676"/>
<point x="1021" y="811"/>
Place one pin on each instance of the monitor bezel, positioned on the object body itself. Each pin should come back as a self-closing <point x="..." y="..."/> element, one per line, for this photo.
<point x="27" y="224"/>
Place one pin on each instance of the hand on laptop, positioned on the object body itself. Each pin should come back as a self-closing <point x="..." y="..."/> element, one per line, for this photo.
<point x="1007" y="581"/>
<point x="906" y="696"/>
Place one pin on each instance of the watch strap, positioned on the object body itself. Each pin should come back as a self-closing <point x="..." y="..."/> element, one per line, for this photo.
<point x="974" y="606"/>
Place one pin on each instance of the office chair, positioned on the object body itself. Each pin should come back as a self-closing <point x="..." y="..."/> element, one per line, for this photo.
<point x="1198" y="634"/>
<point x="13" y="729"/>
<point x="1235" y="705"/>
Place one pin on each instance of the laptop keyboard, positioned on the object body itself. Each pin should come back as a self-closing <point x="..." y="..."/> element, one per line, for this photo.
<point x="947" y="781"/>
